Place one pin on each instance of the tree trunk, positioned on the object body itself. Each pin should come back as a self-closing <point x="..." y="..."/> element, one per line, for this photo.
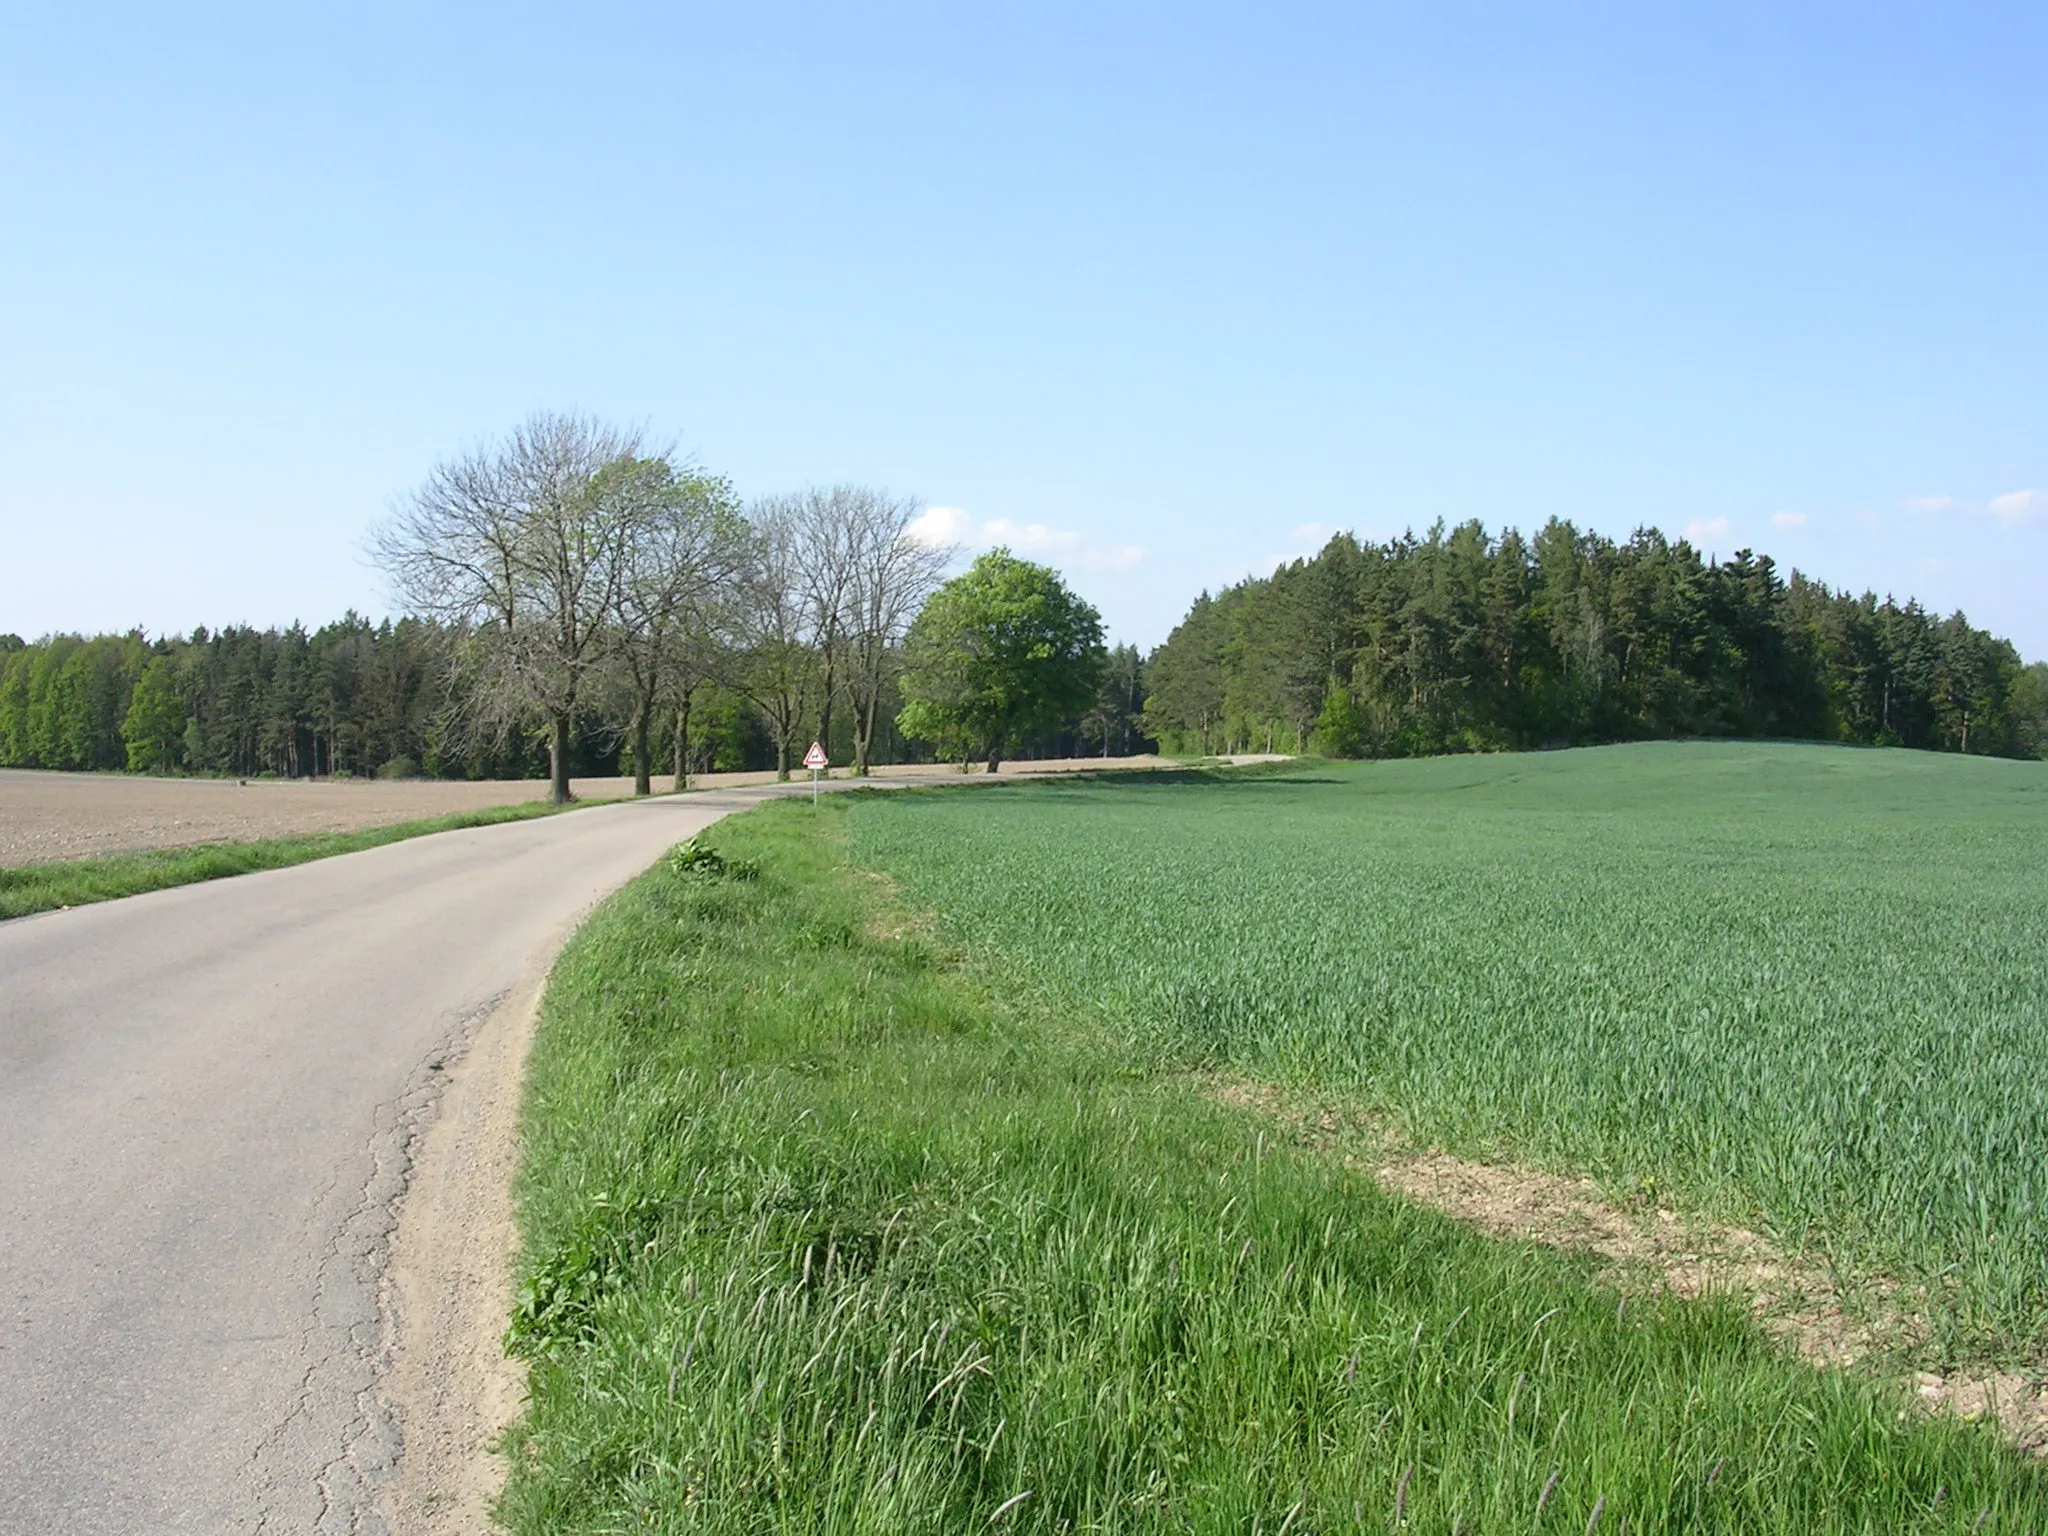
<point x="643" y="770"/>
<point x="558" y="760"/>
<point x="995" y="758"/>
<point x="863" y="738"/>
<point x="683" y="741"/>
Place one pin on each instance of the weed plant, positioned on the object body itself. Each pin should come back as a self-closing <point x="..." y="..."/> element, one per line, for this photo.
<point x="825" y="1231"/>
<point x="1805" y="987"/>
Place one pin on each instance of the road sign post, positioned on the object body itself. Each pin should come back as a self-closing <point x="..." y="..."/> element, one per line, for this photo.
<point x="814" y="760"/>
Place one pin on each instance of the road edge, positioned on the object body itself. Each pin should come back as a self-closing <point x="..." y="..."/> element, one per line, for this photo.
<point x="446" y="1292"/>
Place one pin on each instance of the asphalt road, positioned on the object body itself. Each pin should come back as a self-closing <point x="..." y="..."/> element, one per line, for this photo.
<point x="207" y="1099"/>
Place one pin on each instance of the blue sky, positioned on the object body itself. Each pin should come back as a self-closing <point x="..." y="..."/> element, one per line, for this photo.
<point x="1161" y="294"/>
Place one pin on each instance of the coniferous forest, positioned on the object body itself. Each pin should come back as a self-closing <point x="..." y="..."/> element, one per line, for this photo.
<point x="1461" y="641"/>
<point x="350" y="698"/>
<point x="1456" y="640"/>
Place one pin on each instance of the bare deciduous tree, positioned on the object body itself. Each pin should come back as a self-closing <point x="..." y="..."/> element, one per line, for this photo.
<point x="772" y="659"/>
<point x="687" y="545"/>
<point x="521" y="546"/>
<point x="837" y="578"/>
<point x="826" y="520"/>
<point x="891" y="573"/>
<point x="577" y="571"/>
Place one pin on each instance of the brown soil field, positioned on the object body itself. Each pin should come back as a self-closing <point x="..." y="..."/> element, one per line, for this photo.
<point x="45" y="816"/>
<point x="48" y="816"/>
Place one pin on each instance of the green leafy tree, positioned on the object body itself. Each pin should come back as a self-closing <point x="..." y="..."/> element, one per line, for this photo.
<point x="2030" y="710"/>
<point x="15" y="667"/>
<point x="154" y="727"/>
<point x="44" y="731"/>
<point x="999" y="655"/>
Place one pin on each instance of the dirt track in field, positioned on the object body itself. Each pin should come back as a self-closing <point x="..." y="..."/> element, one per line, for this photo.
<point x="47" y="816"/>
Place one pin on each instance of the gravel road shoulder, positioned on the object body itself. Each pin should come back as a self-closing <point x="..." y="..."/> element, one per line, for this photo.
<point x="447" y="1292"/>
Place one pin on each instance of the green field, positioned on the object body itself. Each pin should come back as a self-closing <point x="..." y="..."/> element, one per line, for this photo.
<point x="1805" y="987"/>
<point x="830" y="1225"/>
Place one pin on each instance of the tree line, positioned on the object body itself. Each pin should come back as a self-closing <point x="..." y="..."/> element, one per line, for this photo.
<point x="579" y="601"/>
<point x="1459" y="640"/>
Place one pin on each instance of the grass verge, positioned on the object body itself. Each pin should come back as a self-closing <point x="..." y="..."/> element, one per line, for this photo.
<point x="30" y="888"/>
<point x="826" y="1231"/>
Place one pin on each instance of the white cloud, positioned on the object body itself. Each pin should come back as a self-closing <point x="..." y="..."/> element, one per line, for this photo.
<point x="1063" y="546"/>
<point x="1930" y="503"/>
<point x="1700" y="529"/>
<point x="1788" y="519"/>
<point x="942" y="525"/>
<point x="2016" y="507"/>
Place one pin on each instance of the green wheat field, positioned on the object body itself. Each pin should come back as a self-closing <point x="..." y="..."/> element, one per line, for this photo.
<point x="1804" y="986"/>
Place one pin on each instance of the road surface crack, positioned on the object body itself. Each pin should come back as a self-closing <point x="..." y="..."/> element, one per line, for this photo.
<point x="336" y="1445"/>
